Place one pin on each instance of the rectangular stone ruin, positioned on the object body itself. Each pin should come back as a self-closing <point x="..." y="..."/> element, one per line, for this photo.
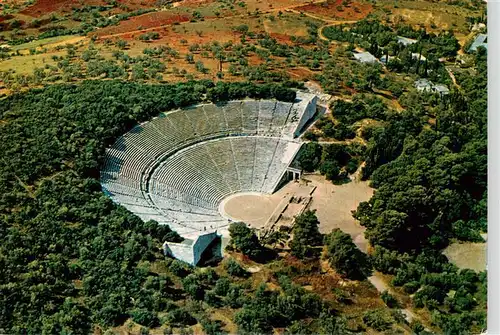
<point x="192" y="248"/>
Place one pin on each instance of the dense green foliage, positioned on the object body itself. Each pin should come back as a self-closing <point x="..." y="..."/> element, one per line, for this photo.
<point x="70" y="257"/>
<point x="344" y="256"/>
<point x="244" y="240"/>
<point x="335" y="161"/>
<point x="309" y="156"/>
<point x="306" y="235"/>
<point x="438" y="184"/>
<point x="421" y="57"/>
<point x="268" y="308"/>
<point x="430" y="194"/>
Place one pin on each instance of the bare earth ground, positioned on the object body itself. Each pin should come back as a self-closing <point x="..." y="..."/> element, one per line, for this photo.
<point x="334" y="203"/>
<point x="253" y="209"/>
<point x="467" y="255"/>
<point x="256" y="209"/>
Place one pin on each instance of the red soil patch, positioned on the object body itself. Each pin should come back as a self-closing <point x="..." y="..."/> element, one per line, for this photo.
<point x="301" y="73"/>
<point x="281" y="38"/>
<point x="44" y="7"/>
<point x="330" y="11"/>
<point x="146" y="21"/>
<point x="194" y="3"/>
<point x="5" y="17"/>
<point x="254" y="60"/>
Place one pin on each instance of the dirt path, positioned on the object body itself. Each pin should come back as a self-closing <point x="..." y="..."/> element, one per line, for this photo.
<point x="356" y="176"/>
<point x="452" y="76"/>
<point x="320" y="18"/>
<point x="331" y="23"/>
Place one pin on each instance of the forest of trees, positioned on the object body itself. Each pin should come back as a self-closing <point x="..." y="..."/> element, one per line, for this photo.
<point x="428" y="164"/>
<point x="382" y="40"/>
<point x="69" y="256"/>
<point x="431" y="189"/>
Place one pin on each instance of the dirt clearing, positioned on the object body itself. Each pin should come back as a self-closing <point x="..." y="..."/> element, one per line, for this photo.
<point x="330" y="10"/>
<point x="253" y="209"/>
<point x="467" y="255"/>
<point x="334" y="203"/>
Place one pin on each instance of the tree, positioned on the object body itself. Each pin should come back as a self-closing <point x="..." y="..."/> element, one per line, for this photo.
<point x="242" y="29"/>
<point x="200" y="67"/>
<point x="180" y="317"/>
<point x="121" y="44"/>
<point x="330" y="169"/>
<point x="244" y="240"/>
<point x="333" y="325"/>
<point x="144" y="317"/>
<point x="310" y="156"/>
<point x="378" y="319"/>
<point x="344" y="256"/>
<point x="212" y="327"/>
<point x="193" y="286"/>
<point x="389" y="300"/>
<point x="306" y="235"/>
<point x="190" y="58"/>
<point x="235" y="269"/>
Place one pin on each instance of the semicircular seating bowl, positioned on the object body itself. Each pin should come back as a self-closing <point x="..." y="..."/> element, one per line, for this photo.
<point x="177" y="168"/>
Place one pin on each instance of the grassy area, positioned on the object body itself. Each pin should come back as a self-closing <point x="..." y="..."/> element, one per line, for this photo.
<point x="434" y="16"/>
<point x="291" y="24"/>
<point x="47" y="42"/>
<point x="26" y="64"/>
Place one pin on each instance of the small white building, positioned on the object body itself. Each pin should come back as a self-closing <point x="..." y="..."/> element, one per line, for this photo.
<point x="406" y="41"/>
<point x="441" y="89"/>
<point x="425" y="85"/>
<point x="192" y="248"/>
<point x="480" y="41"/>
<point x="384" y="59"/>
<point x="418" y="56"/>
<point x="365" y="57"/>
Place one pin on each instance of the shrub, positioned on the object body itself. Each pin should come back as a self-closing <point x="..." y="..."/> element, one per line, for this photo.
<point x="378" y="320"/>
<point x="389" y="300"/>
<point x="180" y="317"/>
<point x="344" y="256"/>
<point x="144" y="317"/>
<point x="235" y="269"/>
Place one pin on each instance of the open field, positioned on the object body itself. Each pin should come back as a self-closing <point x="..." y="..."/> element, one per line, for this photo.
<point x="467" y="255"/>
<point x="336" y="11"/>
<point x="334" y="203"/>
<point x="26" y="64"/>
<point x="43" y="7"/>
<point x="145" y="21"/>
<point x="434" y="16"/>
<point x="50" y="42"/>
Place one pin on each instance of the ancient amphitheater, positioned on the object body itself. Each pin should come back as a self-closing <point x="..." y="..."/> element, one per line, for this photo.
<point x="178" y="168"/>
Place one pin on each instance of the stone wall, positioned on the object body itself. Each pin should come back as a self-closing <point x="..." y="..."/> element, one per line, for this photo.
<point x="309" y="112"/>
<point x="190" y="252"/>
